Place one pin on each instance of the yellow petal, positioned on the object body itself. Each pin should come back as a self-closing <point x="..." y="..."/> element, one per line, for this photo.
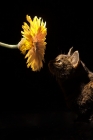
<point x="33" y="42"/>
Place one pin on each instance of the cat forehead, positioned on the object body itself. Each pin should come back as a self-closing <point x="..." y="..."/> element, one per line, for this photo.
<point x="62" y="56"/>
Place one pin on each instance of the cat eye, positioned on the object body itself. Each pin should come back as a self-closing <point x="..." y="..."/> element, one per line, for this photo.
<point x="58" y="61"/>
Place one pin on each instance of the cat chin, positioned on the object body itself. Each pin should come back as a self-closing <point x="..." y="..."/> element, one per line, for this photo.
<point x="57" y="72"/>
<point x="51" y="68"/>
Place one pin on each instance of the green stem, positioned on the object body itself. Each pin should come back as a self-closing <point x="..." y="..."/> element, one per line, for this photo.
<point x="8" y="45"/>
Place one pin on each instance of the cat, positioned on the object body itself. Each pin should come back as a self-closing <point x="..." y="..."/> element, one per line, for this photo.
<point x="76" y="82"/>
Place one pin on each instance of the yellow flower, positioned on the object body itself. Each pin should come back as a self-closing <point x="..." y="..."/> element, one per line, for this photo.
<point x="33" y="43"/>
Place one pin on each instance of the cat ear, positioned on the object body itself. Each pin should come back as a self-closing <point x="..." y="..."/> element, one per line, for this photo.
<point x="70" y="51"/>
<point x="74" y="59"/>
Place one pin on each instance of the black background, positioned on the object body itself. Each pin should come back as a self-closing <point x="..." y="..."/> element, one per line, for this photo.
<point x="32" y="102"/>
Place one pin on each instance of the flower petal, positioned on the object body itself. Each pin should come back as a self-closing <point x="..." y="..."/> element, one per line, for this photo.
<point x="33" y="41"/>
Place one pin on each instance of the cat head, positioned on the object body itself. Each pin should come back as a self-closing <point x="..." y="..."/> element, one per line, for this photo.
<point x="64" y="66"/>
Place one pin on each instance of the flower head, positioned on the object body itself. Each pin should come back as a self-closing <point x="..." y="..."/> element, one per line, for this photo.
<point x="33" y="43"/>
